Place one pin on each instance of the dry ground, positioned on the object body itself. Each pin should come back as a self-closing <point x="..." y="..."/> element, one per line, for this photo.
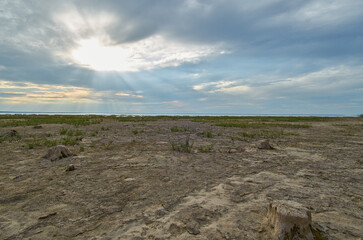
<point x="129" y="183"/>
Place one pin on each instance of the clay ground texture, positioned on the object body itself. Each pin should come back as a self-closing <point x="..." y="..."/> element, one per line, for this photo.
<point x="142" y="180"/>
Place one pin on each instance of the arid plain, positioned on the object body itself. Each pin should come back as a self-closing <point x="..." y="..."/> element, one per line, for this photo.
<point x="177" y="177"/>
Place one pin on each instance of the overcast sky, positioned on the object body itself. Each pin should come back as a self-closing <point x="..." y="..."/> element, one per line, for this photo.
<point x="182" y="56"/>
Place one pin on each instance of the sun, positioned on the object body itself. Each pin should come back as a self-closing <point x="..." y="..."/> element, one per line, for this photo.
<point x="91" y="53"/>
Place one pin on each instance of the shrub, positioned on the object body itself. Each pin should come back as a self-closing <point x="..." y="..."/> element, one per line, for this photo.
<point x="174" y="129"/>
<point x="63" y="131"/>
<point x="207" y="134"/>
<point x="182" y="146"/>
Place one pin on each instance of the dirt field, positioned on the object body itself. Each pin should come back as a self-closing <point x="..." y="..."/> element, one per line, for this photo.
<point x="145" y="180"/>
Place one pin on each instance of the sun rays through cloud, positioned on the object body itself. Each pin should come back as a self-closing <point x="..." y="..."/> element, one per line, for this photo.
<point x="188" y="56"/>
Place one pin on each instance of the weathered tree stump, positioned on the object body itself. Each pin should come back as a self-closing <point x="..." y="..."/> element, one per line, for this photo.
<point x="288" y="220"/>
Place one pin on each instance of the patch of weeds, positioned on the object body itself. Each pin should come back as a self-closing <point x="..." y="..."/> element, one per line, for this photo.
<point x="81" y="148"/>
<point x="48" y="135"/>
<point x="94" y="133"/>
<point x="78" y="133"/>
<point x="17" y="137"/>
<point x="30" y="145"/>
<point x="174" y="129"/>
<point x="247" y="135"/>
<point x="182" y="146"/>
<point x="63" y="131"/>
<point x="70" y="133"/>
<point x="159" y="130"/>
<point x="35" y="143"/>
<point x="205" y="148"/>
<point x="105" y="128"/>
<point x="69" y="141"/>
<point x="109" y="146"/>
<point x="49" y="143"/>
<point x="177" y="129"/>
<point x="207" y="134"/>
<point x="136" y="131"/>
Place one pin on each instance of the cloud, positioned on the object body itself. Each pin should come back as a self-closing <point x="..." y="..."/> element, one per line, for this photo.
<point x="277" y="50"/>
<point x="25" y="92"/>
<point x="232" y="90"/>
<point x="218" y="85"/>
<point x="128" y="94"/>
<point x="146" y="54"/>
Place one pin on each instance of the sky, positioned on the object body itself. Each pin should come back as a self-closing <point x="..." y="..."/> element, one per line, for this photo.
<point x="224" y="57"/>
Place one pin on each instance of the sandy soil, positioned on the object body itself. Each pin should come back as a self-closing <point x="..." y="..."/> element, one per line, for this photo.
<point x="132" y="185"/>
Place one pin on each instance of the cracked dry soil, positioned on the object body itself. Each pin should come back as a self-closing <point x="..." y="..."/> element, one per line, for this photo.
<point x="132" y="185"/>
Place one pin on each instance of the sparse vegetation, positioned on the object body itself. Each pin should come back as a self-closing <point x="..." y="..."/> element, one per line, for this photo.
<point x="182" y="146"/>
<point x="33" y="120"/>
<point x="94" y="133"/>
<point x="208" y="134"/>
<point x="63" y="131"/>
<point x="41" y="142"/>
<point x="179" y="129"/>
<point x="205" y="148"/>
<point x="109" y="145"/>
<point x="137" y="131"/>
<point x="70" y="141"/>
<point x="261" y="125"/>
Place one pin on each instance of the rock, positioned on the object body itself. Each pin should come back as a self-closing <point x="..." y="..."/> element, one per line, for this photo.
<point x="289" y="220"/>
<point x="264" y="144"/>
<point x="70" y="167"/>
<point x="58" y="152"/>
<point x="192" y="227"/>
<point x="37" y="127"/>
<point x="11" y="133"/>
<point x="232" y="150"/>
<point x="175" y="229"/>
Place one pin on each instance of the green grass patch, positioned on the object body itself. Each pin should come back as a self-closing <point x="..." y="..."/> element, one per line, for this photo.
<point x="70" y="141"/>
<point x="137" y="131"/>
<point x="205" y="148"/>
<point x="33" y="120"/>
<point x="261" y="125"/>
<point x="179" y="129"/>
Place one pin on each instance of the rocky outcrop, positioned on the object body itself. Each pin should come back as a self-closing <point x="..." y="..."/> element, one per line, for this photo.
<point x="264" y="144"/>
<point x="58" y="152"/>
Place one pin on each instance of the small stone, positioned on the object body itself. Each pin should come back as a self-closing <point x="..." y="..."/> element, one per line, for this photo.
<point x="37" y="127"/>
<point x="264" y="144"/>
<point x="70" y="167"/>
<point x="232" y="150"/>
<point x="160" y="213"/>
<point x="58" y="152"/>
<point x="166" y="179"/>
